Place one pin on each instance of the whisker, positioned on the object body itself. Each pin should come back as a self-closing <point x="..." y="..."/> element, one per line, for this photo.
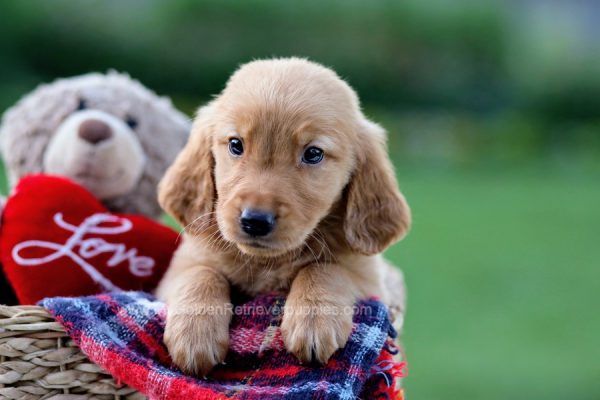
<point x="325" y="245"/>
<point x="184" y="229"/>
<point x="313" y="254"/>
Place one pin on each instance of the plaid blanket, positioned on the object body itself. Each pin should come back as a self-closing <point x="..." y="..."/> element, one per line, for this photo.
<point x="122" y="332"/>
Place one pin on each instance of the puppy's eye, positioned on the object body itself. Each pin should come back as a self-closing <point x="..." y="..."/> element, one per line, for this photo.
<point x="312" y="155"/>
<point x="236" y="147"/>
<point x="82" y="105"/>
<point x="131" y="122"/>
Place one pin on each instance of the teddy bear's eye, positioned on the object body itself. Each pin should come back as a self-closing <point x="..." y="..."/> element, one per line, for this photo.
<point x="82" y="105"/>
<point x="131" y="122"/>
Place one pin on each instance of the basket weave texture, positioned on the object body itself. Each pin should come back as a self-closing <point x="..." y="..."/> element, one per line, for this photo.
<point x="39" y="361"/>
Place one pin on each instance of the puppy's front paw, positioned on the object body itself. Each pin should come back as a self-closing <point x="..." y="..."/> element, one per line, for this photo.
<point x="197" y="343"/>
<point x="315" y="332"/>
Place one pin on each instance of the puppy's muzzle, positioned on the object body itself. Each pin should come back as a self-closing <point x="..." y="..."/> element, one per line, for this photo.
<point x="257" y="223"/>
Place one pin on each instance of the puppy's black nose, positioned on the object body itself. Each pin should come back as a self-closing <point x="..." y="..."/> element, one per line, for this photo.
<point x="256" y="222"/>
<point x="94" y="131"/>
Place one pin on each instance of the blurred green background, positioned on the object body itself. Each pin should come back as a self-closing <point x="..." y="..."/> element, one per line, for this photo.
<point x="493" y="112"/>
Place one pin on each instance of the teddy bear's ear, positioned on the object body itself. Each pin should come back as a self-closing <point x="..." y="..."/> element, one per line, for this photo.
<point x="187" y="191"/>
<point x="27" y="127"/>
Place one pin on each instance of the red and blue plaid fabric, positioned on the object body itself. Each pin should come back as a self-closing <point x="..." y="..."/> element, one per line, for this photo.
<point x="122" y="332"/>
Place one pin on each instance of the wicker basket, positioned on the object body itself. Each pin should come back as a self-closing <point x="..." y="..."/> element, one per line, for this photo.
<point x="39" y="361"/>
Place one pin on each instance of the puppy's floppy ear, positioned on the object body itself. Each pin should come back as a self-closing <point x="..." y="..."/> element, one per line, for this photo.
<point x="376" y="212"/>
<point x="187" y="191"/>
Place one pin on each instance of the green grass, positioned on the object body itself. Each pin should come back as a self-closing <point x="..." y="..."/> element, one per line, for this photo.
<point x="502" y="273"/>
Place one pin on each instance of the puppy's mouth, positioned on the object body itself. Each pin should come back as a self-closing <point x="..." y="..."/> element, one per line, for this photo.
<point x="258" y="245"/>
<point x="259" y="248"/>
<point x="255" y="244"/>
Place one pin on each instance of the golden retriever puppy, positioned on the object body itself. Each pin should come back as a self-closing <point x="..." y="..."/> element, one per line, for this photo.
<point x="284" y="185"/>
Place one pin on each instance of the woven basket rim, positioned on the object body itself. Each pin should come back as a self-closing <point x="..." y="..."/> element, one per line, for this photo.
<point x="27" y="319"/>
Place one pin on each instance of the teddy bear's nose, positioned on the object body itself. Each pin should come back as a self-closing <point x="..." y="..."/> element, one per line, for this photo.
<point x="94" y="131"/>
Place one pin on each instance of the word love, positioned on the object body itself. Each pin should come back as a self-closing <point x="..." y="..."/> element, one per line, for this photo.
<point x="80" y="249"/>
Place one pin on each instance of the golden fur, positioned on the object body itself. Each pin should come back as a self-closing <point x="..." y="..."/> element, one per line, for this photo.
<point x="333" y="219"/>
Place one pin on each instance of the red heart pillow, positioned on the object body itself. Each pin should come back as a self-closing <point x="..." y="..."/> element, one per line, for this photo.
<point x="57" y="239"/>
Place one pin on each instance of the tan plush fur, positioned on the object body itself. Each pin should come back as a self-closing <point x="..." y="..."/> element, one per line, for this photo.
<point x="333" y="219"/>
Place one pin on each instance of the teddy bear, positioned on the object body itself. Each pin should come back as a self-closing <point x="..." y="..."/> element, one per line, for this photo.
<point x="106" y="132"/>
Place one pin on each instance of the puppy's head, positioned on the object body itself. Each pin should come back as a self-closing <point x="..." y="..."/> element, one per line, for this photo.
<point x="281" y="148"/>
